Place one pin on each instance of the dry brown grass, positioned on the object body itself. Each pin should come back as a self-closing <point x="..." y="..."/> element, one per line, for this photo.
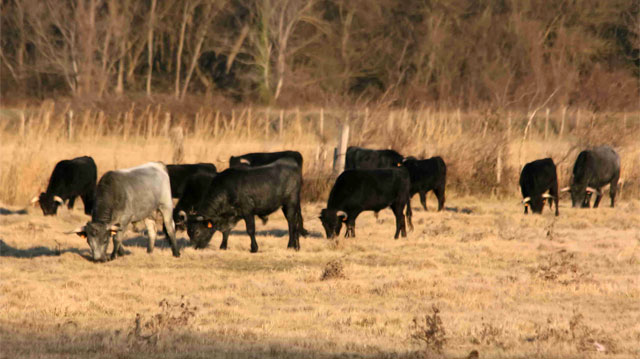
<point x="523" y="295"/>
<point x="505" y="284"/>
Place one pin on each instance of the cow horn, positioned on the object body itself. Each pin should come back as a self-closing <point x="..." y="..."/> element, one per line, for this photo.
<point x="77" y="230"/>
<point x="200" y="218"/>
<point x="566" y="189"/>
<point x="245" y="161"/>
<point x="58" y="199"/>
<point x="590" y="189"/>
<point x="546" y="195"/>
<point x="114" y="228"/>
<point x="341" y="214"/>
<point x="35" y="199"/>
<point x="182" y="215"/>
<point x="526" y="200"/>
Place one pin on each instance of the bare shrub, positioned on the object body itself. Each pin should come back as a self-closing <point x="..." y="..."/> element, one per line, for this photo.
<point x="429" y="332"/>
<point x="333" y="270"/>
<point x="173" y="316"/>
<point x="177" y="141"/>
<point x="561" y="267"/>
<point x="316" y="187"/>
<point x="489" y="334"/>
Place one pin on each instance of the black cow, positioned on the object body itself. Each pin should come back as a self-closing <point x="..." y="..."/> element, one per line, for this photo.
<point x="178" y="175"/>
<point x="427" y="175"/>
<point x="245" y="192"/>
<point x="264" y="158"/>
<point x="536" y="179"/>
<point x="70" y="179"/>
<point x="356" y="191"/>
<point x="196" y="186"/>
<point x="364" y="158"/>
<point x="592" y="170"/>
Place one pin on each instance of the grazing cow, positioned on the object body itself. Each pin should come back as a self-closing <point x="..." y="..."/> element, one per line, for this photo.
<point x="196" y="186"/>
<point x="126" y="196"/>
<point x="244" y="192"/>
<point x="364" y="158"/>
<point x="70" y="179"/>
<point x="592" y="170"/>
<point x="536" y="179"/>
<point x="427" y="175"/>
<point x="360" y="190"/>
<point x="178" y="175"/>
<point x="264" y="158"/>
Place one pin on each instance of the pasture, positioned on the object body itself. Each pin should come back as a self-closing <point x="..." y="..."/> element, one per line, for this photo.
<point x="505" y="284"/>
<point x="479" y="276"/>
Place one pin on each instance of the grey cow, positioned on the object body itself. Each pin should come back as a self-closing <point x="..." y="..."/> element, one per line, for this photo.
<point x="594" y="169"/>
<point x="125" y="196"/>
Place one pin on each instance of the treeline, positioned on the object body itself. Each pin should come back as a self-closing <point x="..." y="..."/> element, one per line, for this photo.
<point x="448" y="53"/>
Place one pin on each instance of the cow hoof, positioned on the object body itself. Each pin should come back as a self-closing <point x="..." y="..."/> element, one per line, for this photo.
<point x="177" y="255"/>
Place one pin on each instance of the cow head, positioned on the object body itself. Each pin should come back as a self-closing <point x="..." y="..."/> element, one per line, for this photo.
<point x="580" y="194"/>
<point x="332" y="221"/>
<point x="49" y="204"/>
<point x="200" y="230"/>
<point x="536" y="203"/>
<point x="97" y="236"/>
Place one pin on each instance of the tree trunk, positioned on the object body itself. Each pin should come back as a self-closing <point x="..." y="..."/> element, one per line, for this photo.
<point x="150" y="45"/>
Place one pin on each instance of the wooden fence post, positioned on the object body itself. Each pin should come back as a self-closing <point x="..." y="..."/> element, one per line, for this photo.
<point x="546" y="124"/>
<point x="281" y="124"/>
<point x="322" y="122"/>
<point x="216" y="124"/>
<point x="341" y="151"/>
<point x="69" y="125"/>
<point x="564" y="114"/>
<point x="266" y="122"/>
<point x="22" y="124"/>
<point x="509" y="127"/>
<point x="249" y="123"/>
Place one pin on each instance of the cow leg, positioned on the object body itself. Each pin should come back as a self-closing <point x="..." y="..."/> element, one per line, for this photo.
<point x="613" y="189"/>
<point x="87" y="201"/>
<point x="170" y="229"/>
<point x="118" y="249"/>
<point x="409" y="215"/>
<point x="291" y="212"/>
<point x="72" y="200"/>
<point x="151" y="232"/>
<point x="225" y="239"/>
<point x="423" y="199"/>
<point x="251" y="231"/>
<point x="400" y="223"/>
<point x="598" y="198"/>
<point x="439" y="192"/>
<point x="586" y="203"/>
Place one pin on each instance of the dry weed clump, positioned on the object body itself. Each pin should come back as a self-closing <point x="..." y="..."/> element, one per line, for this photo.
<point x="578" y="333"/>
<point x="561" y="267"/>
<point x="490" y="334"/>
<point x="172" y="317"/>
<point x="429" y="332"/>
<point x="316" y="187"/>
<point x="333" y="270"/>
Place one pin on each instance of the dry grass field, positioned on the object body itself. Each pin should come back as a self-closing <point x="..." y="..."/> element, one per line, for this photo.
<point x="505" y="284"/>
<point x="480" y="276"/>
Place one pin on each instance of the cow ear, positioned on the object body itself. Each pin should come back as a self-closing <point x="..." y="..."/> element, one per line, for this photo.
<point x="115" y="228"/>
<point x="209" y="224"/>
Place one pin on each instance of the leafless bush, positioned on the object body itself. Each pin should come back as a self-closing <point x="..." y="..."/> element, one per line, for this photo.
<point x="333" y="270"/>
<point x="173" y="316"/>
<point x="429" y="332"/>
<point x="561" y="267"/>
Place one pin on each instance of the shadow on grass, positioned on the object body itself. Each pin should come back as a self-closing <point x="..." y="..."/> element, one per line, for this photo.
<point x="161" y="242"/>
<point x="7" y="212"/>
<point x="279" y="233"/>
<point x="41" y="251"/>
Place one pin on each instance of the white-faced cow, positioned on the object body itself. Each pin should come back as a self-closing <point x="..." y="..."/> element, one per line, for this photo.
<point x="69" y="179"/>
<point x="427" y="175"/>
<point x="264" y="158"/>
<point x="356" y="191"/>
<point x="594" y="169"/>
<point x="245" y="192"/>
<point x="178" y="175"/>
<point x="536" y="179"/>
<point x="126" y="196"/>
<point x="364" y="158"/>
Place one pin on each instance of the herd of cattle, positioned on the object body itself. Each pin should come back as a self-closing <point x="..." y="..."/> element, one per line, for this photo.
<point x="258" y="184"/>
